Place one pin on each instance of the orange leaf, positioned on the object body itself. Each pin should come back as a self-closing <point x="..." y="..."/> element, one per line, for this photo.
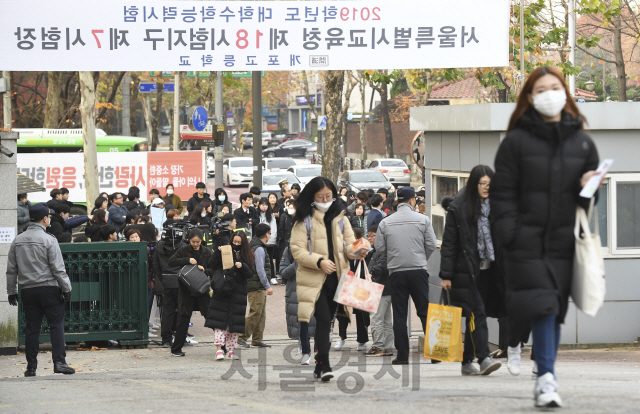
<point x="600" y="62"/>
<point x="593" y="64"/>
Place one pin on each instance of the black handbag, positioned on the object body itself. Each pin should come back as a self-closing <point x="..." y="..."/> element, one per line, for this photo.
<point x="195" y="279"/>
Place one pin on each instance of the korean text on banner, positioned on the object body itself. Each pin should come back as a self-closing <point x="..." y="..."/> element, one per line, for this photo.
<point x="252" y="35"/>
<point x="183" y="169"/>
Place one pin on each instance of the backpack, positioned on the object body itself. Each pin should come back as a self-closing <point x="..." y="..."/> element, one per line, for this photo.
<point x="309" y="226"/>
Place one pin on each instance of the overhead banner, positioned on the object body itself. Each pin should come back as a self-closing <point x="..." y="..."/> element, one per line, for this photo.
<point x="117" y="171"/>
<point x="114" y="35"/>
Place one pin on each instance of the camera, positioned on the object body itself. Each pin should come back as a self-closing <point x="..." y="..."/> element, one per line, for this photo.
<point x="4" y="150"/>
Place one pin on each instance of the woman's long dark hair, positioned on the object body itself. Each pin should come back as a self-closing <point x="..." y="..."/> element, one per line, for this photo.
<point x="196" y="216"/>
<point x="471" y="197"/>
<point x="245" y="250"/>
<point x="306" y="198"/>
<point x="99" y="217"/>
<point x="149" y="232"/>
<point x="100" y="201"/>
<point x="269" y="213"/>
<point x="206" y="204"/>
<point x="275" y="205"/>
<point x="217" y="193"/>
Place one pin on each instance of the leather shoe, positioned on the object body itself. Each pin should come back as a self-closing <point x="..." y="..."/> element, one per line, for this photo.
<point x="30" y="373"/>
<point x="435" y="361"/>
<point x="399" y="362"/>
<point x="60" y="368"/>
<point x="261" y="345"/>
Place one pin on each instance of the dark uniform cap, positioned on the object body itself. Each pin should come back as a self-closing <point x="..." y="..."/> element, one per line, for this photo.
<point x="39" y="211"/>
<point x="405" y="193"/>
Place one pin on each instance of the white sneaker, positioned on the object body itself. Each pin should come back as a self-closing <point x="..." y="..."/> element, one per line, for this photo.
<point x="546" y="392"/>
<point x="190" y="341"/>
<point x="534" y="371"/>
<point x="152" y="335"/>
<point x="274" y="281"/>
<point x="219" y="355"/>
<point x="233" y="356"/>
<point x="361" y="347"/>
<point x="514" y="357"/>
<point x="339" y="344"/>
<point x="306" y="358"/>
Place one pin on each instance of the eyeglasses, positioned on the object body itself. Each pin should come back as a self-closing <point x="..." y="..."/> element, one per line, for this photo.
<point x="484" y="185"/>
<point x="320" y="199"/>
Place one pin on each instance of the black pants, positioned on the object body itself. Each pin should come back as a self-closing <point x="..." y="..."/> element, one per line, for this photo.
<point x="169" y="314"/>
<point x="414" y="283"/>
<point x="362" y="335"/>
<point x="181" y="332"/>
<point x="36" y="303"/>
<point x="324" y="310"/>
<point x="476" y="343"/>
<point x="503" y="333"/>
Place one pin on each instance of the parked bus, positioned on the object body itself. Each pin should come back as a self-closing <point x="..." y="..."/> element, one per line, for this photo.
<point x="41" y="140"/>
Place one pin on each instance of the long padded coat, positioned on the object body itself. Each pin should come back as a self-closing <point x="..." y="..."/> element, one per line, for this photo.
<point x="288" y="272"/>
<point x="533" y="195"/>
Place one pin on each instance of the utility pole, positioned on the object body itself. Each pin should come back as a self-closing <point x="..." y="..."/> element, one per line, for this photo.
<point x="256" y="96"/>
<point x="90" y="149"/>
<point x="176" y="112"/>
<point x="219" y="121"/>
<point x="522" y="73"/>
<point x="126" y="105"/>
<point x="572" y="44"/>
<point x="6" y="101"/>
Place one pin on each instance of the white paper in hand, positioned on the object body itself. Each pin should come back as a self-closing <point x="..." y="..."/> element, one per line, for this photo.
<point x="594" y="182"/>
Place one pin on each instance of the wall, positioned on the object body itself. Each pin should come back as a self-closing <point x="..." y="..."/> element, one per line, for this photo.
<point x="376" y="144"/>
<point x="8" y="218"/>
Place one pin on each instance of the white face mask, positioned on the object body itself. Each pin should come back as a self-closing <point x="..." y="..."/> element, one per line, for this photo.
<point x="169" y="191"/>
<point x="550" y="103"/>
<point x="291" y="211"/>
<point x="323" y="206"/>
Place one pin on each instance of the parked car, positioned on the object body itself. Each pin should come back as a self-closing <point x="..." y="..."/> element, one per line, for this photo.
<point x="237" y="171"/>
<point x="270" y="180"/>
<point x="165" y="129"/>
<point x="281" y="163"/>
<point x="295" y="148"/>
<point x="358" y="180"/>
<point x="278" y="139"/>
<point x="296" y="135"/>
<point x="268" y="139"/>
<point x="395" y="170"/>
<point x="211" y="164"/>
<point x="306" y="172"/>
<point x="311" y="151"/>
<point x="247" y="140"/>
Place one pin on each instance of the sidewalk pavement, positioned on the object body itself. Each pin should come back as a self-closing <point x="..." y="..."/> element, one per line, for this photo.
<point x="271" y="381"/>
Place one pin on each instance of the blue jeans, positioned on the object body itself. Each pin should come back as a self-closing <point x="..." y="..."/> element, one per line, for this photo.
<point x="303" y="328"/>
<point x="546" y="339"/>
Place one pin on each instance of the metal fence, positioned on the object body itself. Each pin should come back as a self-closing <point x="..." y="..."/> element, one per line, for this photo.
<point x="109" y="297"/>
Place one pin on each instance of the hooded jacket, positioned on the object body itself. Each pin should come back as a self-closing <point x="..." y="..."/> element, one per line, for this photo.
<point x="534" y="195"/>
<point x="23" y="216"/>
<point x="310" y="278"/>
<point x="195" y="200"/>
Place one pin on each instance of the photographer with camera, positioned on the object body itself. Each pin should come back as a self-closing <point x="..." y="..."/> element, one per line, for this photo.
<point x="195" y="253"/>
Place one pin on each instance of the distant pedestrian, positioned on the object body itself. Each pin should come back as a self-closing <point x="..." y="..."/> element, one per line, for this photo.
<point x="358" y="219"/>
<point x="35" y="263"/>
<point x="65" y="197"/>
<point x="172" y="198"/>
<point x="153" y="194"/>
<point x="56" y="198"/>
<point x="221" y="199"/>
<point x="258" y="288"/>
<point x="246" y="215"/>
<point x="467" y="261"/>
<point x="23" y="212"/>
<point x="108" y="233"/>
<point x="407" y="239"/>
<point x="267" y="216"/>
<point x="92" y="229"/>
<point x="226" y="315"/>
<point x="541" y="165"/>
<point x="101" y="203"/>
<point x="318" y="241"/>
<point x="198" y="196"/>
<point x="376" y="214"/>
<point x="133" y="199"/>
<point x="117" y="211"/>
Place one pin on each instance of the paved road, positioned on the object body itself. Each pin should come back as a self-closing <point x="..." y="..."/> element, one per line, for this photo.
<point x="271" y="381"/>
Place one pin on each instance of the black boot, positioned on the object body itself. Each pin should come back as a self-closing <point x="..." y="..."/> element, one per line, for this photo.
<point x="30" y="372"/>
<point x="62" y="368"/>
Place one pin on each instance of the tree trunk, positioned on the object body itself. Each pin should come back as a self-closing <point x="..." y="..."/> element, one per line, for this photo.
<point x="345" y="111"/>
<point x="384" y="107"/>
<point x="363" y="118"/>
<point x="619" y="57"/>
<point x="54" y="101"/>
<point x="334" y="82"/>
<point x="155" y="122"/>
<point x="167" y="113"/>
<point x="133" y="105"/>
<point x="146" y="105"/>
<point x="90" y="150"/>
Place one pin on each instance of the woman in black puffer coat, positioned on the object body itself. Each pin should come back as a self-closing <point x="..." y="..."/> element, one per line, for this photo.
<point x="288" y="273"/>
<point x="228" y="306"/>
<point x="541" y="166"/>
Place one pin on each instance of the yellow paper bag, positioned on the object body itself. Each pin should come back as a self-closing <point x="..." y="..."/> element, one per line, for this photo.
<point x="227" y="257"/>
<point x="443" y="338"/>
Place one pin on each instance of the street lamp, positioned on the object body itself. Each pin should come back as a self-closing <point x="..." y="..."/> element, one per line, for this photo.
<point x="590" y="84"/>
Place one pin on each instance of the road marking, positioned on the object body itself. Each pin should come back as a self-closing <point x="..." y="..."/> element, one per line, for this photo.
<point x="227" y="400"/>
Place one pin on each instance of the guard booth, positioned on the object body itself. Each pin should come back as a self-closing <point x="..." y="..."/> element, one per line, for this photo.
<point x="457" y="138"/>
<point x="109" y="297"/>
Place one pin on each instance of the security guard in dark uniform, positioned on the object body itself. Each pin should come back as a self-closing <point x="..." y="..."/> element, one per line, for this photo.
<point x="35" y="263"/>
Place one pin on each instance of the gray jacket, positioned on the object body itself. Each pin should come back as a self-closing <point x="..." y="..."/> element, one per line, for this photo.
<point x="406" y="238"/>
<point x="23" y="216"/>
<point x="35" y="260"/>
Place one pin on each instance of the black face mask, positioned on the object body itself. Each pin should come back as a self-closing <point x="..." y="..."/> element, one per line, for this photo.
<point x="235" y="247"/>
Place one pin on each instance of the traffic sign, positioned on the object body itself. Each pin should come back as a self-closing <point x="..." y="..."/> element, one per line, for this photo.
<point x="192" y="74"/>
<point x="230" y="114"/>
<point x="199" y="118"/>
<point x="349" y="116"/>
<point x="243" y="74"/>
<point x="153" y="87"/>
<point x="322" y="125"/>
<point x="580" y="100"/>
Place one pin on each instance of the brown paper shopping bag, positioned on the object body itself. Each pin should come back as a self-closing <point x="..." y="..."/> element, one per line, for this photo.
<point x="227" y="257"/>
<point x="443" y="338"/>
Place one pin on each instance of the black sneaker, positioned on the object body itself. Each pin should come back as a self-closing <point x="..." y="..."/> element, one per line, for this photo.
<point x="30" y="372"/>
<point x="399" y="362"/>
<point x="62" y="368"/>
<point x="317" y="373"/>
<point x="244" y="344"/>
<point x="166" y="344"/>
<point x="178" y="354"/>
